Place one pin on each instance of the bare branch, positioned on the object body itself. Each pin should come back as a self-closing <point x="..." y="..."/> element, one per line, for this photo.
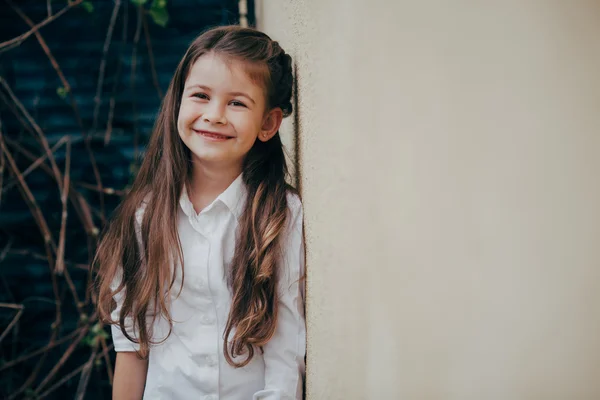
<point x="60" y="255"/>
<point x="111" y="109"/>
<point x="40" y="351"/>
<point x="13" y="322"/>
<point x="69" y="376"/>
<point x="35" y="164"/>
<point x="55" y="65"/>
<point x="62" y="360"/>
<point x="37" y="129"/>
<point x="107" y="41"/>
<point x="85" y="374"/>
<point x="151" y="56"/>
<point x="29" y="198"/>
<point x="136" y="40"/>
<point x="1" y="167"/>
<point x="9" y="44"/>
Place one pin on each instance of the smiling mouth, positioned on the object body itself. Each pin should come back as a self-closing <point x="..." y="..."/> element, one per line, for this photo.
<point x="212" y="135"/>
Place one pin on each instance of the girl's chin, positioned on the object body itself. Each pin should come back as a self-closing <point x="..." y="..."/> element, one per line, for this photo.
<point x="207" y="156"/>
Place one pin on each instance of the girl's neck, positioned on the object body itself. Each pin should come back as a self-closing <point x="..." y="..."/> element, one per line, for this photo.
<point x="206" y="184"/>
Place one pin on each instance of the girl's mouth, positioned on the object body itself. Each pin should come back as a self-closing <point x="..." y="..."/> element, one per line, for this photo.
<point x="213" y="136"/>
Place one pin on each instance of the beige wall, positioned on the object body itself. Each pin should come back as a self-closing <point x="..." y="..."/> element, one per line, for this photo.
<point x="450" y="169"/>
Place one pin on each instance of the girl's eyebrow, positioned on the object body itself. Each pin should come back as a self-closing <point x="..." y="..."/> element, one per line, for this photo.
<point x="199" y="86"/>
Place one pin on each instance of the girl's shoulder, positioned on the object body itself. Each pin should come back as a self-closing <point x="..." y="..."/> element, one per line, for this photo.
<point x="295" y="210"/>
<point x="294" y="203"/>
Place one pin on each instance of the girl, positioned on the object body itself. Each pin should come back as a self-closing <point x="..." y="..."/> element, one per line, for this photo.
<point x="200" y="270"/>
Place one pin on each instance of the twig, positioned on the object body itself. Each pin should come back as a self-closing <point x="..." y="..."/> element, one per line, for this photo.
<point x="107" y="41"/>
<point x="55" y="65"/>
<point x="13" y="108"/>
<point x="11" y="305"/>
<point x="49" y="245"/>
<point x="38" y="256"/>
<point x="67" y="87"/>
<point x="78" y="303"/>
<point x="35" y="371"/>
<point x="60" y="255"/>
<point x="106" y="190"/>
<point x="40" y="351"/>
<point x="9" y="44"/>
<point x="1" y="167"/>
<point x="79" y="203"/>
<point x="151" y="56"/>
<point x="35" y="164"/>
<point x="111" y="109"/>
<point x="37" y="129"/>
<point x="62" y="381"/>
<point x="28" y="196"/>
<point x="136" y="40"/>
<point x="6" y="248"/>
<point x="68" y="377"/>
<point x="85" y="374"/>
<point x="86" y="215"/>
<point x="107" y="362"/>
<point x="88" y="148"/>
<point x="91" y="246"/>
<point x="62" y="360"/>
<point x="14" y="320"/>
<point x="9" y="292"/>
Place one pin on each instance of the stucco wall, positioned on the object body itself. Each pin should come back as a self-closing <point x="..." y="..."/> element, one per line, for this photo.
<point x="450" y="162"/>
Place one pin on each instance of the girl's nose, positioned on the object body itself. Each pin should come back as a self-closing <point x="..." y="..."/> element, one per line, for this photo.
<point x="215" y="115"/>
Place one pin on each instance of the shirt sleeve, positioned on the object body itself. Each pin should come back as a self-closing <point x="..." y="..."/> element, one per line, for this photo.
<point x="284" y="353"/>
<point x="120" y="341"/>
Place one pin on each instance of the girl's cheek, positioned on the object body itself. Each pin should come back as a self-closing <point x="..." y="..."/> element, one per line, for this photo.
<point x="188" y="111"/>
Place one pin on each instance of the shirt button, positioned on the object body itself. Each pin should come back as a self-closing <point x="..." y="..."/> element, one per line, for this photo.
<point x="211" y="397"/>
<point x="207" y="319"/>
<point x="211" y="361"/>
<point x="200" y="283"/>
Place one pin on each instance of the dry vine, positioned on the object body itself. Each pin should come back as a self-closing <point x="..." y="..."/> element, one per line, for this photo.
<point x="43" y="380"/>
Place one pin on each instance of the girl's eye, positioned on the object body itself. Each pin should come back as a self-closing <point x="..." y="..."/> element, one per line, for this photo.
<point x="238" y="103"/>
<point x="203" y="96"/>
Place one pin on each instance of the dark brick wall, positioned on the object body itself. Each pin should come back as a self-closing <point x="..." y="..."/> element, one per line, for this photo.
<point x="76" y="40"/>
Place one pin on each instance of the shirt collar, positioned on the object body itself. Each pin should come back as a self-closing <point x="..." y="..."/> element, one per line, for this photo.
<point x="234" y="197"/>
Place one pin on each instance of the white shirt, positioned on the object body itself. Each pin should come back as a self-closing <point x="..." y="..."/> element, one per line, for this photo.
<point x="190" y="363"/>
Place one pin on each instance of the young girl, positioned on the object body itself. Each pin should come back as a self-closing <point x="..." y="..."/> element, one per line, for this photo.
<point x="200" y="271"/>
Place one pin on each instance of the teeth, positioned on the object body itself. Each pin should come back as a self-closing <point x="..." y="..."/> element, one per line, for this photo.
<point x="215" y="136"/>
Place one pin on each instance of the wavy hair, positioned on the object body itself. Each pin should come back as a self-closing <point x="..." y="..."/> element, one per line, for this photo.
<point x="141" y="257"/>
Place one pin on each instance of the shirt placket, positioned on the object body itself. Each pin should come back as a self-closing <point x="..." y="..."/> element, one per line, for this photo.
<point x="207" y="357"/>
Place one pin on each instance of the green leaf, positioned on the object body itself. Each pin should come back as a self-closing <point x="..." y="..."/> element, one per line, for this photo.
<point x="159" y="15"/>
<point x="89" y="7"/>
<point x="139" y="2"/>
<point x="96" y="329"/>
<point x="88" y="341"/>
<point x="62" y="92"/>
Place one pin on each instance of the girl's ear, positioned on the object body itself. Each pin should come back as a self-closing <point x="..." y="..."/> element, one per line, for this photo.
<point x="271" y="124"/>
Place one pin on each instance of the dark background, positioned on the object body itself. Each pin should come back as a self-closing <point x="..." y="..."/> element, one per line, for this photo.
<point x="142" y="55"/>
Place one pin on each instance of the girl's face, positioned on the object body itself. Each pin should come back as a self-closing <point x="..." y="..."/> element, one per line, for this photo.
<point x="222" y="113"/>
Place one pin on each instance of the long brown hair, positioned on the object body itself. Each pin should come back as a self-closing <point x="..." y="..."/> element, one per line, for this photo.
<point x="146" y="273"/>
